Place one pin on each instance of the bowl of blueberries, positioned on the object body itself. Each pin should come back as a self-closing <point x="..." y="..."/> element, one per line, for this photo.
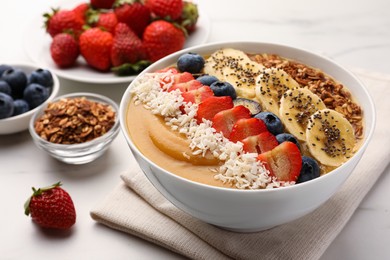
<point x="24" y="88"/>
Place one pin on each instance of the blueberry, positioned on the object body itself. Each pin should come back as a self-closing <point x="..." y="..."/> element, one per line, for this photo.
<point x="42" y="77"/>
<point x="17" y="80"/>
<point x="272" y="121"/>
<point x="20" y="106"/>
<point x="6" y="105"/>
<point x="223" y="88"/>
<point x="190" y="62"/>
<point x="4" y="87"/>
<point x="252" y="105"/>
<point x="4" y="67"/>
<point x="35" y="95"/>
<point x="310" y="169"/>
<point x="207" y="79"/>
<point x="287" y="137"/>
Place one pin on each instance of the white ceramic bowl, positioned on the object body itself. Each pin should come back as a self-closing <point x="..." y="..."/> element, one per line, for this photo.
<point x="19" y="123"/>
<point x="83" y="152"/>
<point x="254" y="210"/>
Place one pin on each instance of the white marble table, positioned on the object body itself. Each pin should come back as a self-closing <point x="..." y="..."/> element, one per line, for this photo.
<point x="354" y="33"/>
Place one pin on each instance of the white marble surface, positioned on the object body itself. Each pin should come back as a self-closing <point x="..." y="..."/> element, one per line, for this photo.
<point x="354" y="33"/>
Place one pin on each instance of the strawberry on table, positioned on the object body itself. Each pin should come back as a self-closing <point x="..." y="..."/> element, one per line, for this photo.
<point x="64" y="50"/>
<point x="246" y="127"/>
<point x="211" y="106"/>
<point x="51" y="207"/>
<point x="260" y="143"/>
<point x="95" y="47"/>
<point x="168" y="9"/>
<point x="161" y="38"/>
<point x="283" y="162"/>
<point x="63" y="21"/>
<point x="134" y="14"/>
<point x="223" y="121"/>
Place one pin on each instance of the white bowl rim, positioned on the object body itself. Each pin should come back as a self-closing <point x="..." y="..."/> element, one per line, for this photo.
<point x="105" y="99"/>
<point x="218" y="45"/>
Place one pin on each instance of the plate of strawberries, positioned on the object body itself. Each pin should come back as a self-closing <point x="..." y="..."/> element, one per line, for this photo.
<point x="111" y="41"/>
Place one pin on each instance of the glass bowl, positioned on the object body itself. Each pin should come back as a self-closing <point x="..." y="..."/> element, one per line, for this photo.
<point x="79" y="153"/>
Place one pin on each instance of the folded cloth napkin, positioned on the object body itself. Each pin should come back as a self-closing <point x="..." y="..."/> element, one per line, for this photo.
<point x="137" y="208"/>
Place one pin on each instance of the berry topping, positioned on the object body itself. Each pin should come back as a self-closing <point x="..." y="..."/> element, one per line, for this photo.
<point x="273" y="123"/>
<point x="223" y="88"/>
<point x="253" y="106"/>
<point x="207" y="79"/>
<point x="190" y="62"/>
<point x="211" y="106"/>
<point x="260" y="143"/>
<point x="283" y="162"/>
<point x="310" y="169"/>
<point x="246" y="127"/>
<point x="198" y="95"/>
<point x="224" y="121"/>
<point x="283" y="137"/>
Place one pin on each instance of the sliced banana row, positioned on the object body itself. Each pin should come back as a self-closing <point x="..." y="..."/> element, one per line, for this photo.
<point x="330" y="137"/>
<point x="296" y="106"/>
<point x="235" y="67"/>
<point x="272" y="84"/>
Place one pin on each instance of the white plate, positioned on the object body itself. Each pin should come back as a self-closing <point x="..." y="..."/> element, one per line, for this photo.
<point x="37" y="45"/>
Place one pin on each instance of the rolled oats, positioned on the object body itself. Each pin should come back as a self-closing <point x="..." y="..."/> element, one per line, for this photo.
<point x="74" y="120"/>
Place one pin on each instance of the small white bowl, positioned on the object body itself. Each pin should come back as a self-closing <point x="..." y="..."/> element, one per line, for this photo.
<point x="20" y="122"/>
<point x="254" y="210"/>
<point x="77" y="153"/>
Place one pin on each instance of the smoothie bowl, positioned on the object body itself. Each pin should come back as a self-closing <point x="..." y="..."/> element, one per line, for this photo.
<point x="247" y="135"/>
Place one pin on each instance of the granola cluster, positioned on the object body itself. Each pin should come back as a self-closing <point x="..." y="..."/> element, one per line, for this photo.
<point x="74" y="120"/>
<point x="334" y="95"/>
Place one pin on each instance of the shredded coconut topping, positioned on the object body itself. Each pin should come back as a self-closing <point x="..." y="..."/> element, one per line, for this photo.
<point x="241" y="170"/>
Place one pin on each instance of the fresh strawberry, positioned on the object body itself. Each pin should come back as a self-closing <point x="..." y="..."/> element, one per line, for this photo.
<point x="223" y="121"/>
<point x="246" y="127"/>
<point x="197" y="96"/>
<point x="189" y="16"/>
<point x="51" y="207"/>
<point x="168" y="9"/>
<point x="63" y="21"/>
<point x="95" y="47"/>
<point x="161" y="38"/>
<point x="176" y="77"/>
<point x="134" y="14"/>
<point x="283" y="162"/>
<point x="260" y="143"/>
<point x="105" y="20"/>
<point x="172" y="70"/>
<point x="102" y="4"/>
<point x="64" y="50"/>
<point x="127" y="47"/>
<point x="186" y="86"/>
<point x="81" y="11"/>
<point x="211" y="106"/>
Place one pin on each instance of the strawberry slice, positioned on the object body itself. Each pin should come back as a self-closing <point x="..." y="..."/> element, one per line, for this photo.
<point x="198" y="95"/>
<point x="211" y="106"/>
<point x="168" y="69"/>
<point x="246" y="127"/>
<point x="223" y="121"/>
<point x="283" y="162"/>
<point x="186" y="86"/>
<point x="260" y="143"/>
<point x="176" y="78"/>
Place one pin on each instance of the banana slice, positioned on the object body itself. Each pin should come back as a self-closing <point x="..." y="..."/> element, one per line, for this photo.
<point x="271" y="85"/>
<point x="296" y="106"/>
<point x="330" y="137"/>
<point x="235" y="67"/>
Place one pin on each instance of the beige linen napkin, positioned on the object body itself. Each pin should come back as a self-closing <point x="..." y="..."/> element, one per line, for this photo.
<point x="137" y="208"/>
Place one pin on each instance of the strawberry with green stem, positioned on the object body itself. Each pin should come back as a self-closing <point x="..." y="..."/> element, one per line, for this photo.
<point x="51" y="207"/>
